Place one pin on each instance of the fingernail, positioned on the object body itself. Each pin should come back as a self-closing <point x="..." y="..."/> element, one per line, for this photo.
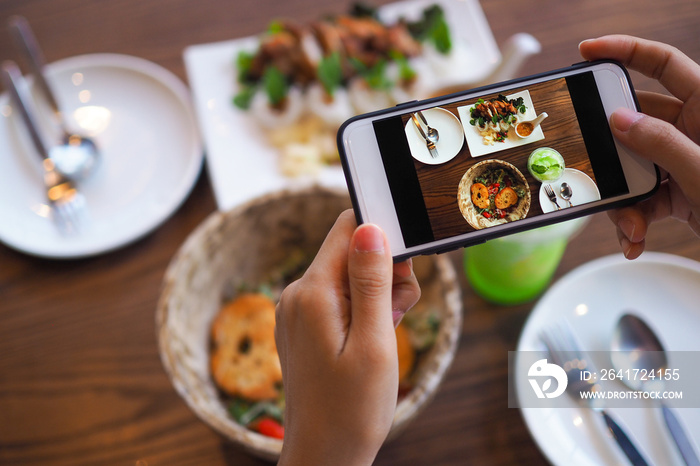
<point x="583" y="41"/>
<point x="623" y="119"/>
<point x="626" y="246"/>
<point x="369" y="238"/>
<point x="627" y="227"/>
<point x="397" y="315"/>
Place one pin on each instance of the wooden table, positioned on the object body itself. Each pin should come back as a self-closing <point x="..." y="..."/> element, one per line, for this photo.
<point x="80" y="377"/>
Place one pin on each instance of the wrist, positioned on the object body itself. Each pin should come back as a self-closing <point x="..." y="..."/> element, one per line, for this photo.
<point x="324" y="449"/>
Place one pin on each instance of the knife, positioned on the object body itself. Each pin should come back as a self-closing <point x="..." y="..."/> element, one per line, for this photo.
<point x="633" y="455"/>
<point x="428" y="143"/>
<point x="681" y="439"/>
<point x="425" y="122"/>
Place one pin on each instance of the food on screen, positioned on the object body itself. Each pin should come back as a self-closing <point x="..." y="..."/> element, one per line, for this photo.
<point x="493" y="118"/>
<point x="493" y="192"/>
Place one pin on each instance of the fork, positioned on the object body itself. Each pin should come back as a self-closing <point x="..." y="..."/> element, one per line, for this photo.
<point x="551" y="195"/>
<point x="433" y="134"/>
<point x="67" y="203"/>
<point x="428" y="142"/>
<point x="565" y="352"/>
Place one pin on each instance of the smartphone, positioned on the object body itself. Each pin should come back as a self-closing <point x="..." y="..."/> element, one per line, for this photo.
<point x="460" y="169"/>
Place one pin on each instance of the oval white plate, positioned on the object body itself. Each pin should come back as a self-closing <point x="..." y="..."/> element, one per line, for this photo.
<point x="141" y="117"/>
<point x="664" y="290"/>
<point x="451" y="137"/>
<point x="583" y="188"/>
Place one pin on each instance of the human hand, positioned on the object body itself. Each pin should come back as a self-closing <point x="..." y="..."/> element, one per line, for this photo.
<point x="336" y="342"/>
<point x="667" y="133"/>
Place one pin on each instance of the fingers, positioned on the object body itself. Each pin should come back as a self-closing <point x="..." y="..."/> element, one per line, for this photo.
<point x="331" y="260"/>
<point x="632" y="224"/>
<point x="370" y="276"/>
<point x="673" y="69"/>
<point x="405" y="291"/>
<point x="661" y="143"/>
<point x="663" y="107"/>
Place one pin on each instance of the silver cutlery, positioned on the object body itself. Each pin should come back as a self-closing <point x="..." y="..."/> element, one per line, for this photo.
<point x="432" y="133"/>
<point x="566" y="353"/>
<point x="566" y="193"/>
<point x="77" y="156"/>
<point x="428" y="142"/>
<point x="66" y="202"/>
<point x="635" y="346"/>
<point x="551" y="195"/>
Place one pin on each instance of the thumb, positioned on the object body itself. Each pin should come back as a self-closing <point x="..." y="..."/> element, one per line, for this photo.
<point x="660" y="142"/>
<point x="370" y="273"/>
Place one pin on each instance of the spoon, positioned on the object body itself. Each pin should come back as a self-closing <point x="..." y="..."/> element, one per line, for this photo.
<point x="433" y="134"/>
<point x="635" y="347"/>
<point x="77" y="156"/>
<point x="566" y="193"/>
<point x="525" y="128"/>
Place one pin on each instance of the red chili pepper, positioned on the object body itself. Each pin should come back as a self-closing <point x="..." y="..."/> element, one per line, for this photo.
<point x="486" y="214"/>
<point x="501" y="214"/>
<point x="269" y="427"/>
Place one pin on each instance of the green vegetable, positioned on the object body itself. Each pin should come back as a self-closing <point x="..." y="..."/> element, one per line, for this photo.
<point x="244" y="97"/>
<point x="406" y="73"/>
<point x="330" y="72"/>
<point x="245" y="412"/>
<point x="432" y="28"/>
<point x="440" y="36"/>
<point x="266" y="289"/>
<point x="244" y="61"/>
<point x="363" y="10"/>
<point x="374" y="76"/>
<point x="275" y="27"/>
<point x="275" y="85"/>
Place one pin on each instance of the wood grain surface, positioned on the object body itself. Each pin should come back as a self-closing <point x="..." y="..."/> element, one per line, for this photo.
<point x="81" y="382"/>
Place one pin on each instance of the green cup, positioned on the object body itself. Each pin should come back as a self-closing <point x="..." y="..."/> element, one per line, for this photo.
<point x="516" y="269"/>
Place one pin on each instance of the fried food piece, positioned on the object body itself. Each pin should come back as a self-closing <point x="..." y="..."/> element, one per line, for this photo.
<point x="506" y="198"/>
<point x="480" y="195"/>
<point x="244" y="360"/>
<point x="407" y="355"/>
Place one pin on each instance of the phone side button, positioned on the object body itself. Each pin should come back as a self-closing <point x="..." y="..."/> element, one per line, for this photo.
<point x="454" y="248"/>
<point x="410" y="102"/>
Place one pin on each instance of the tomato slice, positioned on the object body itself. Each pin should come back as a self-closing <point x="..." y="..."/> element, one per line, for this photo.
<point x="269" y="427"/>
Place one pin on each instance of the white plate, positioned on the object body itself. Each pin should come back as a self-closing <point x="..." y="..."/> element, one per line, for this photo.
<point x="451" y="137"/>
<point x="141" y="118"/>
<point x="583" y="188"/>
<point x="664" y="290"/>
<point x="240" y="161"/>
<point x="475" y="141"/>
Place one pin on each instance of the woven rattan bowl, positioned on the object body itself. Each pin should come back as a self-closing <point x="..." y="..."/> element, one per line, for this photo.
<point x="243" y="246"/>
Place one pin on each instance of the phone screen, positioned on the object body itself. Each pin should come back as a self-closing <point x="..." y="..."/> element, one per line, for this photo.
<point x="481" y="173"/>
